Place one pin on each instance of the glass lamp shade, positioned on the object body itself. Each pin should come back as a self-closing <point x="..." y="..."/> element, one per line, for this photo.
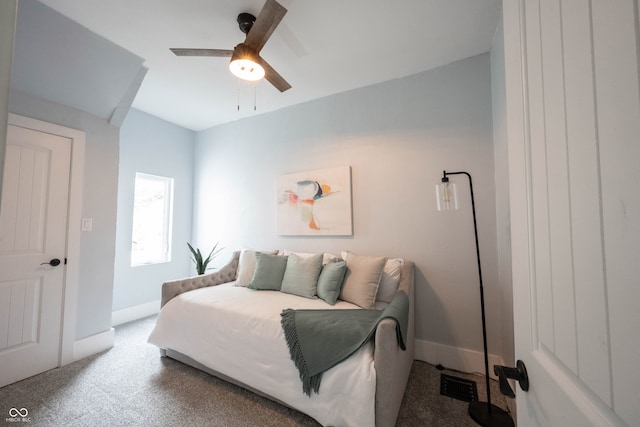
<point x="447" y="196"/>
<point x="246" y="69"/>
<point x="244" y="64"/>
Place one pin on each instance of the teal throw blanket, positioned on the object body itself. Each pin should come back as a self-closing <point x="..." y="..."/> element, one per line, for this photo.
<point x="320" y="339"/>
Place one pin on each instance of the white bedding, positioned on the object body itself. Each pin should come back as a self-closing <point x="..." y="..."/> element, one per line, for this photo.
<point x="236" y="331"/>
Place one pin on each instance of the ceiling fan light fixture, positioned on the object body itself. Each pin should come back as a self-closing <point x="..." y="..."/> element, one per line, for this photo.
<point x="244" y="64"/>
<point x="246" y="69"/>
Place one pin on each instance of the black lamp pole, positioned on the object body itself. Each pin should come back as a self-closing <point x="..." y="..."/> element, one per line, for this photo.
<point x="484" y="413"/>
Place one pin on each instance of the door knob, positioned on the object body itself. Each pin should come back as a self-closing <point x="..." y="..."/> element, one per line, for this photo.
<point x="519" y="373"/>
<point x="53" y="263"/>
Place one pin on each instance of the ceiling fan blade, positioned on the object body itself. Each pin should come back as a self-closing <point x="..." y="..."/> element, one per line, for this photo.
<point x="273" y="77"/>
<point x="270" y="16"/>
<point x="202" y="52"/>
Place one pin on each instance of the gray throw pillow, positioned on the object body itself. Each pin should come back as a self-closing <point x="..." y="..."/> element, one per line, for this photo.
<point x="269" y="272"/>
<point x="247" y="266"/>
<point x="330" y="281"/>
<point x="301" y="275"/>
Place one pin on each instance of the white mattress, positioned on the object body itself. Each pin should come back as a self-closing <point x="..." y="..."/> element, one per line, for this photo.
<point x="236" y="331"/>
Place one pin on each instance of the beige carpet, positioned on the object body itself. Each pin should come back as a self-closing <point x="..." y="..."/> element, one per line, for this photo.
<point x="130" y="385"/>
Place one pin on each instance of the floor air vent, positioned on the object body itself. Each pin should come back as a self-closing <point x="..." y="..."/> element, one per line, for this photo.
<point x="458" y="388"/>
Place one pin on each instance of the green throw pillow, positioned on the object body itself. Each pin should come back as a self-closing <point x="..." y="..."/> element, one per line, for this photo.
<point x="269" y="272"/>
<point x="301" y="275"/>
<point x="330" y="281"/>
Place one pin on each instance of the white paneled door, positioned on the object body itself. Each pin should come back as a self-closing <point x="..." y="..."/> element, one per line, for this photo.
<point x="33" y="232"/>
<point x="573" y="102"/>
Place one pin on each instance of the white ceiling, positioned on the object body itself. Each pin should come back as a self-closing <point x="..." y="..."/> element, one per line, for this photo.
<point x="320" y="48"/>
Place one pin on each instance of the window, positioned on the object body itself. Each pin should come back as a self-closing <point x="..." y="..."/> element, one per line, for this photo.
<point x="152" y="212"/>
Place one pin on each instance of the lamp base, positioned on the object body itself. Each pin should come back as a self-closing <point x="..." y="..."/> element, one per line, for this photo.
<point x="489" y="415"/>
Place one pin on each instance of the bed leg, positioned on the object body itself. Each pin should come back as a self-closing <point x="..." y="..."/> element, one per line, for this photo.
<point x="163" y="352"/>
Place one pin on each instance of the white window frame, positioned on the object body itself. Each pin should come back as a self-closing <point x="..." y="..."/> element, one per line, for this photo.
<point x="167" y="214"/>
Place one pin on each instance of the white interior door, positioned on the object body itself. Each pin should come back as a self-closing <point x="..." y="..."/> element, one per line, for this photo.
<point x="573" y="102"/>
<point x="33" y="230"/>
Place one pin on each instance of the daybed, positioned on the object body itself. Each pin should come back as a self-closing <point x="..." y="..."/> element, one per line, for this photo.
<point x="235" y="333"/>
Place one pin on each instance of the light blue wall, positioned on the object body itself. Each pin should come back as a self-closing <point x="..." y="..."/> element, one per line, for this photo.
<point x="154" y="146"/>
<point x="503" y="217"/>
<point x="60" y="60"/>
<point x="397" y="136"/>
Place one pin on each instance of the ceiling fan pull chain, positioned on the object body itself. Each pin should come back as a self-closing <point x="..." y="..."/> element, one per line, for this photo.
<point x="255" y="96"/>
<point x="238" y="80"/>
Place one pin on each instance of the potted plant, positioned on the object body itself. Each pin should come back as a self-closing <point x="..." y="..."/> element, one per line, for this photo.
<point x="200" y="262"/>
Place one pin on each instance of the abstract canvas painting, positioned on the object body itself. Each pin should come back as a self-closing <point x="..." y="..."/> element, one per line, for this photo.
<point x="315" y="203"/>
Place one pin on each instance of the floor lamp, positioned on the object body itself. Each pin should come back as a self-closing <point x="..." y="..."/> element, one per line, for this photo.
<point x="484" y="413"/>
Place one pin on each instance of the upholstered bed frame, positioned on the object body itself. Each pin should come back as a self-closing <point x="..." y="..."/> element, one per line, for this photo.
<point x="392" y="364"/>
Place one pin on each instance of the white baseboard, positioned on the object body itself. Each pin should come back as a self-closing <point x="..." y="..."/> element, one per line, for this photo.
<point x="94" y="344"/>
<point x="136" y="312"/>
<point x="460" y="359"/>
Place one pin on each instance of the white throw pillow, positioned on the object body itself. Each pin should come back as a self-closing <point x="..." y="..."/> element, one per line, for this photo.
<point x="390" y="280"/>
<point x="326" y="258"/>
<point x="247" y="266"/>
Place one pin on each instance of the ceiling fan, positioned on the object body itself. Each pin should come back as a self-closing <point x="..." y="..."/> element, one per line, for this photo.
<point x="246" y="63"/>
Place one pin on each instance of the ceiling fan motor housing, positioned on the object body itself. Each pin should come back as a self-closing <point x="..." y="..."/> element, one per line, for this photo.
<point x="245" y="22"/>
